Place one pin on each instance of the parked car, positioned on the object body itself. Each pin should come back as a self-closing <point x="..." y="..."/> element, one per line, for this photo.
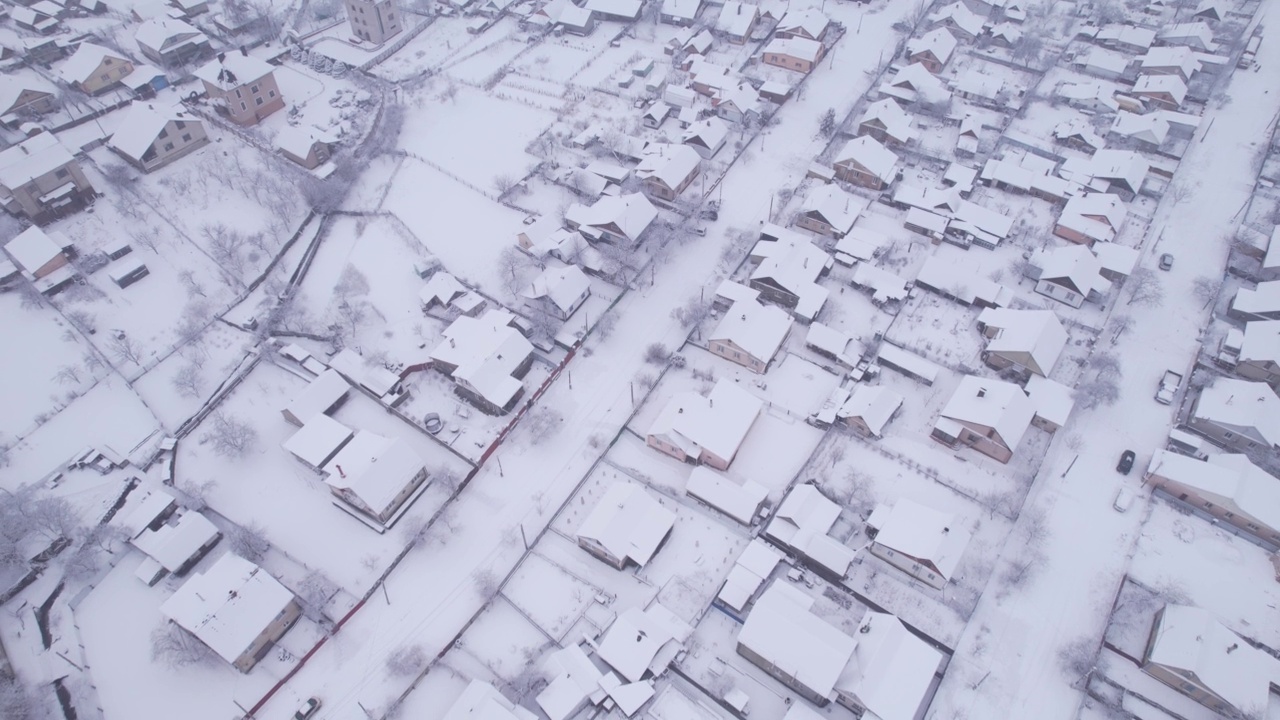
<point x="1166" y="262"/>
<point x="308" y="709"/>
<point x="699" y="231"/>
<point x="1126" y="462"/>
<point x="1123" y="501"/>
<point x="1170" y="382"/>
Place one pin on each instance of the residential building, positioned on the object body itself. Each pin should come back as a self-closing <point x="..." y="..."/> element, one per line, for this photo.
<point x="751" y="570"/>
<point x="750" y="334"/>
<point x="1192" y="652"/>
<point x="803" y="523"/>
<point x="41" y="181"/>
<point x="667" y="170"/>
<point x="619" y="219"/>
<point x="681" y="13"/>
<point x="1163" y="91"/>
<point x="915" y="84"/>
<point x="922" y="542"/>
<point x="1259" y="356"/>
<point x="167" y="41"/>
<point x="741" y="500"/>
<point x="626" y="527"/>
<point x="375" y="475"/>
<point x="374" y="20"/>
<point x="1195" y="35"/>
<point x="1090" y="218"/>
<point x="869" y="409"/>
<point x="35" y="254"/>
<point x="40" y="19"/>
<point x="706" y="137"/>
<point x="1071" y="275"/>
<point x="93" y="69"/>
<point x="737" y="102"/>
<point x="323" y="395"/>
<point x="558" y="291"/>
<point x="624" y="11"/>
<point x="958" y="19"/>
<point x="307" y="146"/>
<point x="150" y="137"/>
<point x="235" y="608"/>
<point x="640" y="644"/>
<point x="1026" y="340"/>
<point x="830" y="211"/>
<point x="486" y="357"/>
<point x="933" y="49"/>
<point x="1053" y="402"/>
<point x="887" y="122"/>
<point x="788" y="272"/>
<point x="864" y="161"/>
<point x="177" y="543"/>
<point x="1227" y="488"/>
<point x="1126" y="38"/>
<point x="990" y="416"/>
<point x="737" y="20"/>
<point x="1238" y="415"/>
<point x="809" y="24"/>
<point x="482" y="700"/>
<point x="793" y="53"/>
<point x="891" y="671"/>
<point x="1261" y="302"/>
<point x="25" y="96"/>
<point x="318" y="440"/>
<point x="241" y="87"/>
<point x="705" y="430"/>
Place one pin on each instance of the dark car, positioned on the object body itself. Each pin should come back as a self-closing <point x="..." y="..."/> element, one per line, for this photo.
<point x="1166" y="262"/>
<point x="1126" y="462"/>
<point x="308" y="709"/>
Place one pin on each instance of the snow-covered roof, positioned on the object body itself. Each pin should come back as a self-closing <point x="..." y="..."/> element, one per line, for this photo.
<point x="735" y="292"/>
<point x="152" y="505"/>
<point x="796" y="47"/>
<point x="738" y="499"/>
<point x="718" y="422"/>
<point x="1052" y="399"/>
<point x="563" y="286"/>
<point x="373" y="468"/>
<point x="485" y="352"/>
<point x="1077" y="127"/>
<point x="318" y="439"/>
<point x="1035" y="334"/>
<point x="758" y="329"/>
<point x="669" y="164"/>
<point x="1096" y="215"/>
<point x="938" y="42"/>
<point x="1007" y="31"/>
<point x="802" y="523"/>
<point x="229" y="605"/>
<point x="937" y="200"/>
<point x="1230" y="478"/>
<point x="923" y="533"/>
<point x="441" y="288"/>
<point x="1261" y="342"/>
<point x="683" y="9"/>
<point x="299" y="140"/>
<point x="1191" y="640"/>
<point x="85" y="61"/>
<point x="783" y="632"/>
<point x="828" y="340"/>
<point x="874" y="404"/>
<point x="1172" y="85"/>
<point x="891" y="669"/>
<point x="1075" y="266"/>
<point x="620" y="8"/>
<point x="628" y="523"/>
<point x="31" y="249"/>
<point x="38" y="155"/>
<point x="482" y="701"/>
<point x="1089" y="93"/>
<point x="962" y="276"/>
<point x="958" y="15"/>
<point x="889" y="114"/>
<point x="1251" y="406"/>
<point x="710" y="132"/>
<point x="740" y="95"/>
<point x="1195" y="34"/>
<point x="176" y="542"/>
<point x="870" y="154"/>
<point x="630" y="214"/>
<point x="12" y="88"/>
<point x="1116" y="258"/>
<point x="990" y="403"/>
<point x="736" y="18"/>
<point x="318" y="396"/>
<point x="1127" y="35"/>
<point x="161" y="33"/>
<point x="977" y="84"/>
<point x="141" y="126"/>
<point x="1180" y="57"/>
<point x="229" y="71"/>
<point x="915" y="82"/>
<point x="1152" y="127"/>
<point x="643" y="641"/>
<point x="574" y="679"/>
<point x="861" y="243"/>
<point x="884" y="285"/>
<point x="753" y="567"/>
<point x="1264" y="298"/>
<point x="810" y="21"/>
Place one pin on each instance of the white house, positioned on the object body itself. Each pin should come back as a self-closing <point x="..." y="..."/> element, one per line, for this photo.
<point x="750" y="334"/>
<point x="1030" y="340"/>
<point x="991" y="416"/>
<point x="318" y="440"/>
<point x="482" y="700"/>
<point x="626" y="526"/>
<point x="891" y="670"/>
<point x="641" y="643"/>
<point x="1227" y="487"/>
<point x="784" y="638"/>
<point x="1071" y="275"/>
<point x="559" y="292"/>
<point x="1238" y="414"/>
<point x="741" y="500"/>
<point x="706" y="137"/>
<point x="864" y="161"/>
<point x="748" y="574"/>
<point x="375" y="475"/>
<point x="924" y="543"/>
<point x="705" y="430"/>
<point x="1194" y="653"/>
<point x="620" y="219"/>
<point x="870" y="408"/>
<point x="802" y="522"/>
<point x="324" y="394"/>
<point x="486" y="357"/>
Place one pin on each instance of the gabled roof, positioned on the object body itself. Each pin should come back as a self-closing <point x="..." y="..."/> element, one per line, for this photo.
<point x="896" y="121"/>
<point x="37" y="155"/>
<point x="923" y="533"/>
<point x="1169" y="84"/>
<point x="1089" y="92"/>
<point x="141" y="127"/>
<point x="628" y="523"/>
<point x="1127" y="35"/>
<point x="12" y="87"/>
<point x="643" y="641"/>
<point x="1261" y="342"/>
<point x="797" y="47"/>
<point x="891" y="669"/>
<point x="718" y="422"/>
<point x="1251" y="406"/>
<point x="995" y="404"/>
<point x="161" y="33"/>
<point x="1125" y="166"/>
<point x="631" y="214"/>
<point x="318" y="439"/>
<point x="668" y="163"/>
<point x="1196" y="34"/>
<point x="874" y="404"/>
<point x="835" y="207"/>
<point x="810" y="20"/>
<point x="1075" y="266"/>
<point x="86" y="59"/>
<point x="741" y="96"/>
<point x="1191" y="640"/>
<point x="574" y="679"/>
<point x="738" y="500"/>
<point x="1231" y="478"/>
<point x="915" y="82"/>
<point x="959" y="15"/>
<point x="1264" y="298"/>
<point x="736" y="17"/>
<point x="1186" y="60"/>
<point x="299" y="140"/>
<point x="486" y="352"/>
<point x="32" y="248"/>
<point x="319" y="395"/>
<point x="562" y="286"/>
<point x="685" y="9"/>
<point x="802" y="523"/>
<point x="175" y="543"/>
<point x="1037" y="333"/>
<point x="710" y="132"/>
<point x="784" y="632"/>
<point x="757" y="329"/>
<point x="1116" y="258"/>
<point x="870" y="154"/>
<point x="938" y="42"/>
<point x="1152" y="127"/>
<point x="373" y="468"/>
<point x="229" y="71"/>
<point x="482" y="701"/>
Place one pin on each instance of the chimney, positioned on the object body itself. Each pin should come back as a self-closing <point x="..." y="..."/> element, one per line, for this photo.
<point x="982" y="392"/>
<point x="244" y="51"/>
<point x="340" y="473"/>
<point x="222" y="56"/>
<point x="1232" y="648"/>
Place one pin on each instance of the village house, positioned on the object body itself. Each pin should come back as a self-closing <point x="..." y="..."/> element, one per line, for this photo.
<point x="922" y="542"/>
<point x="1070" y="275"/>
<point x="235" y="608"/>
<point x="793" y="53"/>
<point x="869" y="409"/>
<point x="558" y="292"/>
<point x="486" y="357"/>
<point x="149" y="137"/>
<point x="323" y="395"/>
<point x="681" y="13"/>
<point x="93" y="69"/>
<point x="41" y="260"/>
<point x="23" y="97"/>
<point x="38" y="18"/>
<point x="1006" y="35"/>
<point x="482" y="700"/>
<point x="932" y="50"/>
<point x="788" y="272"/>
<point x="959" y="277"/>
<point x="887" y="122"/>
<point x="241" y="87"/>
<point x="1259" y="356"/>
<point x="1090" y="218"/>
<point x="1261" y="302"/>
<point x="891" y="672"/>
<point x="624" y="11"/>
<point x="990" y="416"/>
<point x="177" y="543"/>
<point x="1195" y="35"/>
<point x="620" y="219"/>
<point x="749" y="573"/>
<point x="318" y="440"/>
<point x="705" y="430"/>
<point x="1150" y="130"/>
<point x="626" y="527"/>
<point x="784" y="638"/>
<point x="915" y="84"/>
<point x="1192" y="652"/>
<point x="1079" y="134"/>
<point x="738" y="103"/>
<point x="41" y="181"/>
<point x="742" y="500"/>
<point x="667" y="170"/>
<point x="1126" y="38"/>
<point x="802" y="523"/>
<point x="809" y="24"/>
<point x="306" y="146"/>
<point x="1053" y="402"/>
<point x="375" y="475"/>
<point x="374" y="21"/>
<point x="1163" y="91"/>
<point x="1176" y="60"/>
<point x="830" y="211"/>
<point x="706" y="137"/>
<point x="167" y="41"/>
<point x="750" y="334"/>
<point x="737" y="21"/>
<point x="1238" y="415"/>
<point x="864" y="161"/>
<point x="1026" y="340"/>
<point x="1227" y="488"/>
<point x="641" y="644"/>
<point x="959" y="19"/>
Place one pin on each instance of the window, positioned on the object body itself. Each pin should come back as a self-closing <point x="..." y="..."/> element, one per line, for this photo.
<point x="271" y="93"/>
<point x="107" y="61"/>
<point x="1228" y="435"/>
<point x="186" y="137"/>
<point x="104" y="76"/>
<point x="62" y="172"/>
<point x="237" y="92"/>
<point x="164" y="133"/>
<point x="1230" y="515"/>
<point x="254" y="89"/>
<point x="1208" y="504"/>
<point x="179" y="124"/>
<point x="257" y="101"/>
<point x="1252" y="526"/>
<point x="168" y="147"/>
<point x="243" y="106"/>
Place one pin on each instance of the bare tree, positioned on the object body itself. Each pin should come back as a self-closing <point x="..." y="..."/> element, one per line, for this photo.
<point x="543" y="422"/>
<point x="178" y="648"/>
<point x="82" y="321"/>
<point x="407" y="660"/>
<point x="1144" y="287"/>
<point x="188" y="381"/>
<point x="692" y="313"/>
<point x="249" y="541"/>
<point x="1105" y="364"/>
<point x="230" y="436"/>
<point x="193" y="286"/>
<point x="68" y="375"/>
<point x="193" y="495"/>
<point x="351" y="283"/>
<point x="1097" y="392"/>
<point x="657" y="354"/>
<point x="512" y="265"/>
<point x="503" y="184"/>
<point x="125" y="350"/>
<point x="1206" y="289"/>
<point x="827" y="127"/>
<point x="314" y="592"/>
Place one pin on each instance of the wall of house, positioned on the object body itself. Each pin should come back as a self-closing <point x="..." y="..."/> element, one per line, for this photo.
<point x="1223" y="436"/>
<point x="729" y="351"/>
<point x="851" y="172"/>
<point x="268" y="637"/>
<point x="374" y="21"/>
<point x="929" y="62"/>
<point x="711" y="459"/>
<point x="107" y="74"/>
<point x="600" y="553"/>
<point x="909" y="565"/>
<point x="1193" y="497"/>
<point x="663" y="446"/>
<point x="808" y="222"/>
<point x="1067" y="233"/>
<point x="1059" y="293"/>
<point x="988" y="446"/>
<point x="177" y="142"/>
<point x="409" y="488"/>
<point x="788" y="62"/>
<point x="782" y="676"/>
<point x="1254" y="370"/>
<point x="775" y="294"/>
<point x="59" y="260"/>
<point x="251" y="102"/>
<point x="28" y="196"/>
<point x="1185" y="686"/>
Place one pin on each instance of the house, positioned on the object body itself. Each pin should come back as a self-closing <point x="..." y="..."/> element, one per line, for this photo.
<point x="310" y="147"/>
<point x="1026" y="340"/>
<point x="482" y="700"/>
<point x="145" y="81"/>
<point x="1195" y="654"/>
<point x="667" y="170"/>
<point x="737" y="20"/>
<point x="730" y="292"/>
<point x="41" y="181"/>
<point x="959" y="19"/>
<point x="869" y="409"/>
<point x="1126" y="38"/>
<point x="803" y="522"/>
<point x="1210" y="10"/>
<point x="1071" y="275"/>
<point x="35" y="20"/>
<point x="179" y="542"/>
<point x="191" y="8"/>
<point x="1164" y="91"/>
<point x="681" y="13"/>
<point x="93" y="69"/>
<point x="374" y="21"/>
<point x="830" y="211"/>
<point x="784" y="638"/>
<point x="750" y="334"/>
<point x="741" y="500"/>
<point x="640" y="644"/>
<point x="751" y="570"/>
<point x="793" y="53"/>
<point x="150" y="137"/>
<point x="1238" y="415"/>
<point x="626" y="527"/>
<point x="617" y="10"/>
<point x="955" y="274"/>
<point x="241" y="87"/>
<point x="788" y="272"/>
<point x="1259" y="303"/>
<point x="1227" y="488"/>
<point x="832" y="344"/>
<point x="1091" y="218"/>
<point x="1117" y="260"/>
<point x="574" y="683"/>
<point x="235" y="608"/>
<point x="486" y="357"/>
<point x="1006" y="34"/>
<point x="323" y="395"/>
<point x="1195" y="35"/>
<point x="809" y="24"/>
<point x="375" y="475"/>
<point x="864" y="161"/>
<point x="1176" y="60"/>
<point x="25" y="97"/>
<point x="167" y="41"/>
<point x="739" y="103"/>
<point x="558" y="292"/>
<point x="1151" y="129"/>
<point x="915" y="84"/>
<point x="1259" y="356"/>
<point x="887" y="122"/>
<point x="922" y="542"/>
<point x="860" y="244"/>
<point x="891" y="671"/>
<point x="1102" y="63"/>
<point x="35" y="253"/>
<point x="576" y="20"/>
<point x="1093" y="96"/>
<point x="933" y="49"/>
<point x="705" y="430"/>
<point x="620" y="219"/>
<point x="1079" y="134"/>
<point x="706" y="137"/>
<point x="885" y="286"/>
<point x="991" y="416"/>
<point x="987" y="91"/>
<point x="446" y="291"/>
<point x="318" y="440"/>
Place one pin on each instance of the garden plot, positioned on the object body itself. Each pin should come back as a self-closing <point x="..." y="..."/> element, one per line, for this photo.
<point x="482" y="63"/>
<point x="335" y="105"/>
<point x="181" y="383"/>
<point x="503" y="641"/>
<point x="696" y="559"/>
<point x="941" y="330"/>
<point x="555" y="61"/>
<point x="433" y="695"/>
<point x="618" y="589"/>
<point x="548" y="595"/>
